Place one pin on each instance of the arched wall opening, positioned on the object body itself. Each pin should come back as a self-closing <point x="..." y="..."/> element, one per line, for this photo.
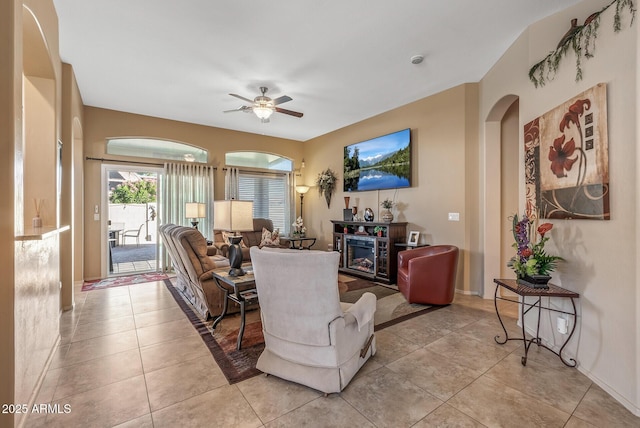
<point x="36" y="274"/>
<point x="39" y="121"/>
<point x="501" y="186"/>
<point x="78" y="201"/>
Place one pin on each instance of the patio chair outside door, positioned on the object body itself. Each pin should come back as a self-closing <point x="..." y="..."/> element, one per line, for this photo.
<point x="132" y="233"/>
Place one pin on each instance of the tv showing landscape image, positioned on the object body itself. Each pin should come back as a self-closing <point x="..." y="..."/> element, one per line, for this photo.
<point x="380" y="163"/>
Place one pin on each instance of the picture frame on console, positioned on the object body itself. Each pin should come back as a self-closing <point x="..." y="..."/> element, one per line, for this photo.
<point x="413" y="238"/>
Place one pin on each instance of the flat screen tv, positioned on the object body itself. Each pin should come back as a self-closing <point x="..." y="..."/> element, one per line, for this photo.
<point x="380" y="163"/>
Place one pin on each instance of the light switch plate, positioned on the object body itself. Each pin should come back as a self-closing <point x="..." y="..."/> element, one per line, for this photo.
<point x="454" y="216"/>
<point x="96" y="217"/>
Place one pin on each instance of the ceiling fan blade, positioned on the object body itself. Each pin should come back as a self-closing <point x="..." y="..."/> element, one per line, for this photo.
<point x="281" y="100"/>
<point x="241" y="108"/>
<point x="242" y="98"/>
<point x="289" y="112"/>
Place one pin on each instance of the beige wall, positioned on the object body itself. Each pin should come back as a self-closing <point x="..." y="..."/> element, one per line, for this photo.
<point x="29" y="296"/>
<point x="444" y="152"/>
<point x="509" y="168"/>
<point x="601" y="256"/>
<point x="39" y="150"/>
<point x="71" y="202"/>
<point x="10" y="134"/>
<point x="100" y="124"/>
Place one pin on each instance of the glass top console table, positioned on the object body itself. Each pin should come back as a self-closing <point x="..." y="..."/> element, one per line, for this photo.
<point x="525" y="291"/>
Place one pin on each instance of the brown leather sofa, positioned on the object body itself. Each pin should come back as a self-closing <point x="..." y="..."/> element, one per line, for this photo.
<point x="193" y="262"/>
<point x="249" y="239"/>
<point x="428" y="274"/>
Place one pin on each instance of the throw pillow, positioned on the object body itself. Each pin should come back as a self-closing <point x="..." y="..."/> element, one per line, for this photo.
<point x="270" y="239"/>
<point x="225" y="238"/>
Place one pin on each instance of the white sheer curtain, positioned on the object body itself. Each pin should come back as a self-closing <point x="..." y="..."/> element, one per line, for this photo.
<point x="182" y="183"/>
<point x="231" y="183"/>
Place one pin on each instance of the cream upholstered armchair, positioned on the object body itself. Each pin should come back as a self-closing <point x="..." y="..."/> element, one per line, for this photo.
<point x="310" y="337"/>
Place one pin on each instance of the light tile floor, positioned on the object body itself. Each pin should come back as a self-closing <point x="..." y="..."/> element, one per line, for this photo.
<point x="128" y="357"/>
<point x="134" y="267"/>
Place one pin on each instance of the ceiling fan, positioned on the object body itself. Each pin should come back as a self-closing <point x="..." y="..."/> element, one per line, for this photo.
<point x="263" y="106"/>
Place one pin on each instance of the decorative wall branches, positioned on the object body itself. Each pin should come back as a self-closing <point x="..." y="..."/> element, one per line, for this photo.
<point x="581" y="39"/>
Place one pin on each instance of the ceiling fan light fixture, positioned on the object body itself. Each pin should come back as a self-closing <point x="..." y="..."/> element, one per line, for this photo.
<point x="263" y="106"/>
<point x="263" y="112"/>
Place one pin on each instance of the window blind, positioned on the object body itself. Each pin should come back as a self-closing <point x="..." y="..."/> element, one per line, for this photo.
<point x="269" y="195"/>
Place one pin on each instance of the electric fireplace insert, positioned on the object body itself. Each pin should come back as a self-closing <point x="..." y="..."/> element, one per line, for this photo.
<point x="360" y="254"/>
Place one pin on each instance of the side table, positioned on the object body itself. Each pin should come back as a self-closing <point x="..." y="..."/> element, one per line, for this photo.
<point x="239" y="289"/>
<point x="404" y="246"/>
<point x="301" y="243"/>
<point x="525" y="291"/>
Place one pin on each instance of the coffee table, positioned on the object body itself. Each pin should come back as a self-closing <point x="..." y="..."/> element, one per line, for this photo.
<point x="239" y="289"/>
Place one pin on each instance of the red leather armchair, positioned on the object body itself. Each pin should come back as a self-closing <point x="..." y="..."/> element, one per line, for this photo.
<point x="428" y="274"/>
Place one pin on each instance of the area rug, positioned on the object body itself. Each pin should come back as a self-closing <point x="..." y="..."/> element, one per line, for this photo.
<point x="238" y="365"/>
<point x="119" y="281"/>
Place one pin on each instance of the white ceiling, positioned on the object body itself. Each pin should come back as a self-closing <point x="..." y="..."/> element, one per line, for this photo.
<point x="340" y="61"/>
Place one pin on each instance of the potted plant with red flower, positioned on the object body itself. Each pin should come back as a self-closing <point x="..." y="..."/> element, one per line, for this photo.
<point x="531" y="263"/>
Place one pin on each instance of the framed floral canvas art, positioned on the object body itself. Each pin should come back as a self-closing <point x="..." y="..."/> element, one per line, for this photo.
<point x="567" y="159"/>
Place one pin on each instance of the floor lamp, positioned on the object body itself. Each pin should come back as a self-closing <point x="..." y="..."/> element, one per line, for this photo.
<point x="233" y="216"/>
<point x="302" y="189"/>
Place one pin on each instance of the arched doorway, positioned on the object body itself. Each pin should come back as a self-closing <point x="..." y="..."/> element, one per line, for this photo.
<point x="502" y="154"/>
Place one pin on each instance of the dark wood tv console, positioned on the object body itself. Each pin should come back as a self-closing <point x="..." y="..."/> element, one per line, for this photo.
<point x="367" y="249"/>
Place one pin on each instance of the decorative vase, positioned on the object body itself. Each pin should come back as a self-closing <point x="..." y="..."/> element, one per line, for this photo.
<point x="387" y="216"/>
<point x="346" y="202"/>
<point x="368" y="214"/>
<point x="36" y="222"/>
<point x="327" y="197"/>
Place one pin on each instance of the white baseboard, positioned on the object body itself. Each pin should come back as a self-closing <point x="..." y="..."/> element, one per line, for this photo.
<point x="609" y="390"/>
<point x="36" y="390"/>
<point x="468" y="293"/>
<point x="602" y="384"/>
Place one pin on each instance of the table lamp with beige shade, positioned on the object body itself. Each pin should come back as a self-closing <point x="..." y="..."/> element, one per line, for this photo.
<point x="194" y="211"/>
<point x="233" y="216"/>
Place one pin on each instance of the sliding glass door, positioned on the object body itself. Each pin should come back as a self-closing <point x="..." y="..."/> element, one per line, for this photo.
<point x="130" y="226"/>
